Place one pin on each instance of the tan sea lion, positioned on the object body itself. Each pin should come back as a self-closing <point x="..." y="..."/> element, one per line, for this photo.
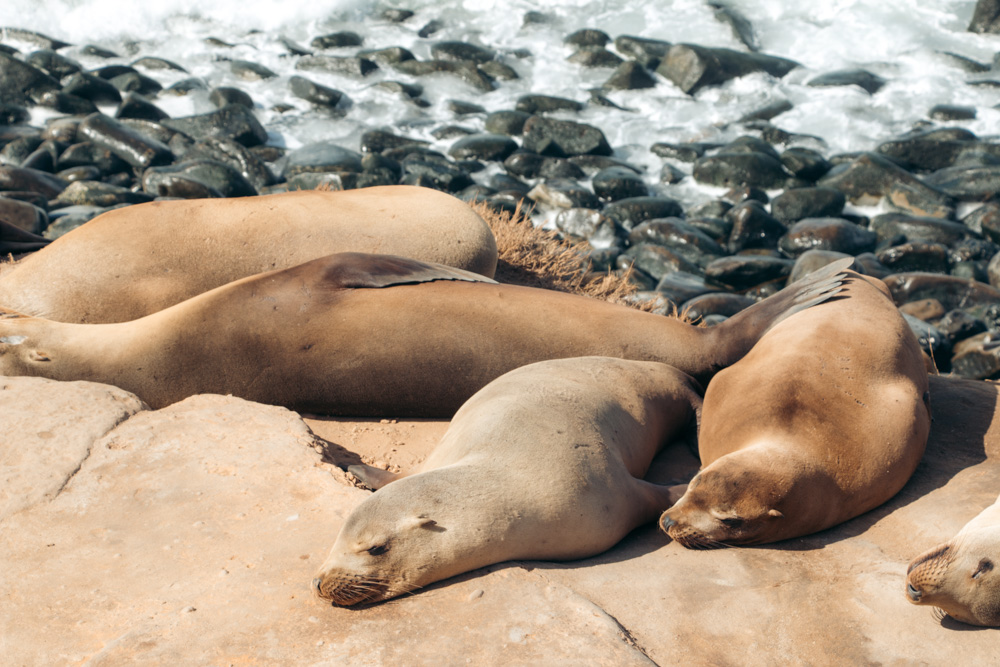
<point x="961" y="576"/>
<point x="137" y="260"/>
<point x="356" y="334"/>
<point x="824" y="419"/>
<point x="544" y="463"/>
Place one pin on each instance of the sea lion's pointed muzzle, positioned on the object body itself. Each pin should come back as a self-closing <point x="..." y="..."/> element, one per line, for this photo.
<point x="913" y="593"/>
<point x="666" y="522"/>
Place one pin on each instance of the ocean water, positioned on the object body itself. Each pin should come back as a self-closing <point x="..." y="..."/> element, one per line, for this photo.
<point x="903" y="41"/>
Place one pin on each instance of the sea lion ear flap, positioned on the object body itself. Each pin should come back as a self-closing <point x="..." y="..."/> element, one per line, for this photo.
<point x="775" y="513"/>
<point x="420" y="521"/>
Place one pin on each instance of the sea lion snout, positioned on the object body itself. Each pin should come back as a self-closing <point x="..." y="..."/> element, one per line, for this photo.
<point x="913" y="593"/>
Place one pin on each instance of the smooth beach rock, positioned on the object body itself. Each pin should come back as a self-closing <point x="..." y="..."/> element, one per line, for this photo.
<point x="918" y="228"/>
<point x="132" y="147"/>
<point x="379" y="141"/>
<point x="986" y="17"/>
<point x="753" y="227"/>
<point x="595" y="56"/>
<point x="681" y="238"/>
<point x="55" y="64"/>
<point x="349" y="65"/>
<point x="630" y="212"/>
<point x="96" y="193"/>
<point x="742" y="272"/>
<point x="958" y="325"/>
<point x="834" y="234"/>
<point x="691" y="67"/>
<point x="87" y="153"/>
<point x="920" y="199"/>
<point x="985" y="220"/>
<point x="615" y="183"/>
<point x="21" y="82"/>
<point x="915" y="256"/>
<point x="322" y="156"/>
<point x="561" y="193"/>
<point x="495" y="69"/>
<point x="31" y="180"/>
<point x="951" y="291"/>
<point x="926" y="309"/>
<point x="235" y="122"/>
<point x="630" y="75"/>
<point x="93" y="88"/>
<point x="562" y="138"/>
<point x="153" y="62"/>
<point x="439" y="172"/>
<point x="315" y="93"/>
<point x="743" y="168"/>
<point x="508" y="121"/>
<point x="462" y="51"/>
<point x="977" y="357"/>
<point x="218" y="176"/>
<point x="63" y="102"/>
<point x="931" y="341"/>
<point x="587" y="223"/>
<point x="680" y="286"/>
<point x="387" y="56"/>
<point x="951" y="112"/>
<point x="812" y="260"/>
<point x="40" y="40"/>
<point x="646" y="52"/>
<point x="134" y="105"/>
<point x="335" y="40"/>
<point x="134" y="82"/>
<point x="465" y="70"/>
<point x="484" y="146"/>
<point x="805" y="163"/>
<point x="927" y="151"/>
<point x="587" y="37"/>
<point x="866" y="179"/>
<point x="798" y="203"/>
<point x="967" y="183"/>
<point x="870" y="83"/>
<point x="185" y="86"/>
<point x="715" y="303"/>
<point x="23" y="215"/>
<point x="533" y="104"/>
<point x="222" y="96"/>
<point x="657" y="261"/>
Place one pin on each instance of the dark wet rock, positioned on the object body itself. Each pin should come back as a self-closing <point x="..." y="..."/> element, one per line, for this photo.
<point x="452" y="132"/>
<point x="805" y="163"/>
<point x="630" y="76"/>
<point x="396" y="15"/>
<point x="294" y="47"/>
<point x="348" y="65"/>
<point x="967" y="183"/>
<point x="382" y="168"/>
<point x="13" y="114"/>
<point x="917" y="198"/>
<point x="533" y="104"/>
<point x="96" y="193"/>
<point x="111" y="71"/>
<point x="137" y="150"/>
<point x="223" y="96"/>
<point x="657" y="261"/>
<point x="505" y="182"/>
<point x="173" y="180"/>
<point x="749" y="168"/>
<point x="867" y="178"/>
<point x="834" y="234"/>
<point x="715" y="303"/>
<point x="972" y="253"/>
<point x="743" y="272"/>
<point x="811" y="260"/>
<point x="917" y="228"/>
<point x="14" y="240"/>
<point x="134" y="82"/>
<point x="509" y="121"/>
<point x="536" y="18"/>
<point x="30" y="180"/>
<point x="800" y="203"/>
<point x="81" y="173"/>
<point x="560" y="193"/>
<point x="561" y="168"/>
<point x="235" y="122"/>
<point x="391" y="55"/>
<point x="135" y="105"/>
<point x="932" y="341"/>
<point x="331" y="181"/>
<point x="87" y="153"/>
<point x="465" y="70"/>
<point x="152" y="130"/>
<point x="21" y="82"/>
<point x="251" y="71"/>
<point x="55" y="64"/>
<point x="985" y="220"/>
<point x="670" y="174"/>
<point x="150" y="62"/>
<point x="753" y="227"/>
<point x="616" y="183"/>
<point x="986" y="17"/>
<point x="929" y="150"/>
<point x="635" y="210"/>
<point x="322" y="156"/>
<point x="405" y="151"/>
<point x="680" y="286"/>
<point x="336" y="40"/>
<point x="749" y="144"/>
<point x="595" y="56"/>
<point x="915" y="256"/>
<point x="440" y="172"/>
<point x="926" y="310"/>
<point x="683" y="152"/>
<point x="683" y="239"/>
<point x="14" y="152"/>
<point x="738" y="23"/>
<point x="23" y="215"/>
<point x="972" y="270"/>
<point x="948" y="112"/>
<point x="587" y="37"/>
<point x="951" y="291"/>
<point x="691" y="67"/>
<point x="768" y="111"/>
<point x="525" y="164"/>
<point x="871" y="83"/>
<point x="646" y="52"/>
<point x="65" y="103"/>
<point x="185" y="86"/>
<point x="463" y="108"/>
<point x="591" y="164"/>
<point x="494" y="147"/>
<point x="977" y="357"/>
<point x="430" y="28"/>
<point x="743" y="193"/>
<point x="993" y="271"/>
<point x="403" y="89"/>
<point x="462" y="51"/>
<point x="585" y="223"/>
<point x="69" y="218"/>
<point x="958" y="325"/>
<point x="562" y="138"/>
<point x="38" y="39"/>
<point x="42" y="158"/>
<point x="510" y="202"/>
<point x="602" y="260"/>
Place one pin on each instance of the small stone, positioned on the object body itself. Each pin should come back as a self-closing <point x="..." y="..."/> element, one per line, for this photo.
<point x="630" y="76"/>
<point x="616" y="183"/>
<point x="742" y="272"/>
<point x="533" y="104"/>
<point x="485" y="146"/>
<point x="561" y="138"/>
<point x="336" y="40"/>
<point x="870" y="83"/>
<point x="951" y="112"/>
<point x="692" y="67"/>
<point x="563" y="194"/>
<point x="632" y="211"/>
<point x="462" y="51"/>
<point x="731" y="169"/>
<point x="647" y="52"/>
<point x="510" y="122"/>
<point x="587" y="37"/>
<point x="753" y="227"/>
<point x="915" y="256"/>
<point x="799" y="203"/>
<point x="834" y="234"/>
<point x="805" y="163"/>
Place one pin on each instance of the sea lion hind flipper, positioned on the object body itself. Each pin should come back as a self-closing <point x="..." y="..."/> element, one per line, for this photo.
<point x="361" y="270"/>
<point x="373" y="478"/>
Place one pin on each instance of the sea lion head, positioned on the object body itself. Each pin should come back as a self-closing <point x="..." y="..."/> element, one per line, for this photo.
<point x="399" y="539"/>
<point x="960" y="577"/>
<point x="723" y="506"/>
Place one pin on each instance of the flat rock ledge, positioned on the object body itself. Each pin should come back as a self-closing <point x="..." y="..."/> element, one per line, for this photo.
<point x="190" y="535"/>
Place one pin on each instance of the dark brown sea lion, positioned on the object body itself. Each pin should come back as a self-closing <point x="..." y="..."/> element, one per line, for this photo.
<point x="356" y="334"/>
<point x="133" y="261"/>
<point x="824" y="419"/>
<point x="545" y="462"/>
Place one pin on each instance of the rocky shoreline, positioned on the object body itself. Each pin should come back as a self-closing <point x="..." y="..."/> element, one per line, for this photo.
<point x="786" y="208"/>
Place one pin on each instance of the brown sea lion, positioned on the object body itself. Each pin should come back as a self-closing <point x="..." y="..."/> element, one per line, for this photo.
<point x="962" y="576"/>
<point x="824" y="419"/>
<point x="356" y="334"/>
<point x="545" y="462"/>
<point x="137" y="260"/>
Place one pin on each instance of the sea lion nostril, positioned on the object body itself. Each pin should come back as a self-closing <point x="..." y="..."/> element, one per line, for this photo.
<point x="317" y="584"/>
<point x="666" y="522"/>
<point x="913" y="592"/>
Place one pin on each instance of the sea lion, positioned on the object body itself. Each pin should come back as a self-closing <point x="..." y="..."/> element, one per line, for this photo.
<point x="960" y="577"/>
<point x="356" y="334"/>
<point x="133" y="261"/>
<point x="824" y="419"/>
<point x="544" y="463"/>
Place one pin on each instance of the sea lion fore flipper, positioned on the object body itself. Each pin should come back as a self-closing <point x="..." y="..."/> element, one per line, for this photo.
<point x="15" y="240"/>
<point x="361" y="270"/>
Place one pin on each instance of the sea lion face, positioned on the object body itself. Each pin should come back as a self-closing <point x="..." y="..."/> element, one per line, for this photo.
<point x="960" y="577"/>
<point x="391" y="544"/>
<point x="719" y="509"/>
